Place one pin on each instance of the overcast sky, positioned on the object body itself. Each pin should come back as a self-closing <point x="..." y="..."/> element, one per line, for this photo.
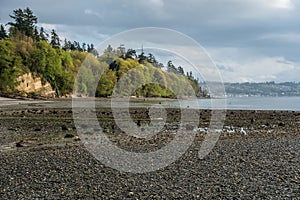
<point x="249" y="40"/>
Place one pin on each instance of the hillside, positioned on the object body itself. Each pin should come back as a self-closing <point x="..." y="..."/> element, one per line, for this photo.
<point x="26" y="50"/>
<point x="263" y="89"/>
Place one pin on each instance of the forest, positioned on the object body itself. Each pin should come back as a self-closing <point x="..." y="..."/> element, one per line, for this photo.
<point x="74" y="67"/>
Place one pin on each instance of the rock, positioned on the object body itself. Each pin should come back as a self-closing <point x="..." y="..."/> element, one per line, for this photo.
<point x="65" y="128"/>
<point x="189" y="127"/>
<point x="76" y="138"/>
<point x="37" y="129"/>
<point x="130" y="193"/>
<point x="30" y="83"/>
<point x="20" y="144"/>
<point x="69" y="135"/>
<point x="23" y="143"/>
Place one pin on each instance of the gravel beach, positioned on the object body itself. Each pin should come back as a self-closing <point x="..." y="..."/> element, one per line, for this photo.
<point x="43" y="158"/>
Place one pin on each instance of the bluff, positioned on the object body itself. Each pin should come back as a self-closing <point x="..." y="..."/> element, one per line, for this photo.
<point x="30" y="85"/>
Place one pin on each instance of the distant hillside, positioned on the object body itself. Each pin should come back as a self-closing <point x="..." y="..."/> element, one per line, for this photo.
<point x="263" y="89"/>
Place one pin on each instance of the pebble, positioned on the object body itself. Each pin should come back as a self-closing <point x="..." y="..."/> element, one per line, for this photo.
<point x="259" y="166"/>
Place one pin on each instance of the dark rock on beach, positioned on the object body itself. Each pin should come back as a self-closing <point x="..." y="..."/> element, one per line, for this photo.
<point x="42" y="163"/>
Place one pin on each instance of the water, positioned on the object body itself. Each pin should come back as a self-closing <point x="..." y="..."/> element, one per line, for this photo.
<point x="243" y="103"/>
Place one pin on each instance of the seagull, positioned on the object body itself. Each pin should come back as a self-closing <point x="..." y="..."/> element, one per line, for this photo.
<point x="243" y="132"/>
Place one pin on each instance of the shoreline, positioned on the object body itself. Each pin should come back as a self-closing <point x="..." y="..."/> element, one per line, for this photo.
<point x="227" y="104"/>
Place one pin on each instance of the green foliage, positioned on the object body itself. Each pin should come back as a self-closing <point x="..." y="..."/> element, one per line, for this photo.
<point x="116" y="71"/>
<point x="10" y="65"/>
<point x="24" y="21"/>
<point x="43" y="35"/>
<point x="88" y="77"/>
<point x="149" y="81"/>
<point x="106" y="84"/>
<point x="3" y="33"/>
<point x="55" y="43"/>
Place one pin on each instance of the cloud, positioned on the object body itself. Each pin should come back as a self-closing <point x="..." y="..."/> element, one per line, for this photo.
<point x="290" y="75"/>
<point x="282" y="37"/>
<point x="155" y="3"/>
<point x="75" y="33"/>
<point x="282" y="4"/>
<point x="260" y="69"/>
<point x="250" y="34"/>
<point x="91" y="12"/>
<point x="47" y="27"/>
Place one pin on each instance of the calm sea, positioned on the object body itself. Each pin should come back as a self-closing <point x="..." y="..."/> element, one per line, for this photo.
<point x="244" y="103"/>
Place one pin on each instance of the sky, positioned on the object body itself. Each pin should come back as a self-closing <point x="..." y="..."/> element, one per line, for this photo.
<point x="248" y="40"/>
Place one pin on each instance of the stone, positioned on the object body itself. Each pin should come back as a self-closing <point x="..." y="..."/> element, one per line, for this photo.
<point x="189" y="127"/>
<point x="65" y="128"/>
<point x="69" y="135"/>
<point x="76" y="138"/>
<point x="20" y="144"/>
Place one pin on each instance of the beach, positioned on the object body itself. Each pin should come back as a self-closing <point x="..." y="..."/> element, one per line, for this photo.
<point x="42" y="157"/>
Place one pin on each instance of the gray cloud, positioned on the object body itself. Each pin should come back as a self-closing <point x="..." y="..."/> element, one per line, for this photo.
<point x="254" y="30"/>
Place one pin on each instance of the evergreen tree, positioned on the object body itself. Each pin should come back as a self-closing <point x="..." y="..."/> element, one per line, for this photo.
<point x="65" y="46"/>
<point x="190" y="75"/>
<point x="77" y="46"/>
<point x="151" y="58"/>
<point x="43" y="35"/>
<point x="92" y="50"/>
<point x="109" y="49"/>
<point x="171" y="67"/>
<point x="180" y="70"/>
<point x="24" y="21"/>
<point x="36" y="34"/>
<point x="142" y="58"/>
<point x="89" y="49"/>
<point x="3" y="33"/>
<point x="160" y="65"/>
<point x="55" y="43"/>
<point x="72" y="46"/>
<point x="130" y="54"/>
<point x="84" y="47"/>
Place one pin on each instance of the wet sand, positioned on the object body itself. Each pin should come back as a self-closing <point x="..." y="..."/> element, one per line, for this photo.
<point x="42" y="157"/>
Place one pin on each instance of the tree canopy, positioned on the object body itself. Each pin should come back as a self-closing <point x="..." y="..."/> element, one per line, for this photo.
<point x="24" y="21"/>
<point x="78" y="67"/>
